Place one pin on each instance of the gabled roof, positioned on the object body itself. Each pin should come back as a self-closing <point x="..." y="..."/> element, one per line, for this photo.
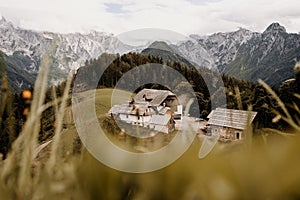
<point x="154" y="97"/>
<point x="230" y="118"/>
<point x="160" y="119"/>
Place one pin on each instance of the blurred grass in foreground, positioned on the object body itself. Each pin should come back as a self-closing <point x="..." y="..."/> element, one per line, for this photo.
<point x="268" y="169"/>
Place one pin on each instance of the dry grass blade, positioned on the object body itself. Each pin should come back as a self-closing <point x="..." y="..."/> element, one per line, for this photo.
<point x="18" y="165"/>
<point x="55" y="101"/>
<point x="296" y="107"/>
<point x="32" y="125"/>
<point x="297" y="95"/>
<point x="278" y="132"/>
<point x="238" y="97"/>
<point x="249" y="130"/>
<point x="4" y="95"/>
<point x="270" y="91"/>
<point x="288" y="117"/>
<point x="6" y="106"/>
<point x="60" y="115"/>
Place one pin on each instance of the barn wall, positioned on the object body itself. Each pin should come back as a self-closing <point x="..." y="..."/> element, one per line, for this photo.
<point x="226" y="133"/>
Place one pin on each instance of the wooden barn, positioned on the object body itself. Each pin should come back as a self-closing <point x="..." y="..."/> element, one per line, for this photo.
<point x="229" y="124"/>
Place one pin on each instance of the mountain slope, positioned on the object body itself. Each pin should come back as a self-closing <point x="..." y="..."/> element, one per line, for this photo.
<point x="72" y="50"/>
<point x="166" y="52"/>
<point x="269" y="56"/>
<point x="19" y="79"/>
<point x="216" y="50"/>
<point x="247" y="55"/>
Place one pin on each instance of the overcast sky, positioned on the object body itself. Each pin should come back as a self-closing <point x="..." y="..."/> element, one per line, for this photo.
<point x="182" y="16"/>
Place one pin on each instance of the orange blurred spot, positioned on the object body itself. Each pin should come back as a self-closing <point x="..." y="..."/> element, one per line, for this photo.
<point x="55" y="124"/>
<point x="25" y="111"/>
<point x="26" y="94"/>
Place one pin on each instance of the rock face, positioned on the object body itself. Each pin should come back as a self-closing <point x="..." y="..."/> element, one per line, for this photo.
<point x="72" y="50"/>
<point x="269" y="56"/>
<point x="246" y="55"/>
<point x="216" y="50"/>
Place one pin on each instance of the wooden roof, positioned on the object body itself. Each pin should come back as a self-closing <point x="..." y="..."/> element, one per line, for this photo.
<point x="230" y="118"/>
<point x="154" y="97"/>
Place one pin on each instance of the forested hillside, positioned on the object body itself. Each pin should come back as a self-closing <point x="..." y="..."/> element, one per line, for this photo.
<point x="240" y="94"/>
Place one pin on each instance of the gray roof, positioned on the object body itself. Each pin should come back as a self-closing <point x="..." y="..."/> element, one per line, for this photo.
<point x="162" y="110"/>
<point x="132" y="109"/>
<point x="152" y="106"/>
<point x="155" y="97"/>
<point x="230" y="118"/>
<point x="117" y="109"/>
<point x="160" y="119"/>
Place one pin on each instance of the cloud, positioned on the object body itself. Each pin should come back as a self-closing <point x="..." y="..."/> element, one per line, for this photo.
<point x="182" y="16"/>
<point x="257" y="14"/>
<point x="149" y="35"/>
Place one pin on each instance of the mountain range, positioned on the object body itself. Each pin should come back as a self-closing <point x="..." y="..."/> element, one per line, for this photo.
<point x="269" y="56"/>
<point x="247" y="55"/>
<point x="71" y="50"/>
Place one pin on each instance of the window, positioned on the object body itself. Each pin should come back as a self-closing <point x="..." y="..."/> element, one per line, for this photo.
<point x="238" y="135"/>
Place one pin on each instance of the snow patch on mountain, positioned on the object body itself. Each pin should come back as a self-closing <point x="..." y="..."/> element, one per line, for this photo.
<point x="71" y="52"/>
<point x="216" y="50"/>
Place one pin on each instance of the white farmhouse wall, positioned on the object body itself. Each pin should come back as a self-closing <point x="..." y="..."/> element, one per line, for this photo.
<point x="135" y="119"/>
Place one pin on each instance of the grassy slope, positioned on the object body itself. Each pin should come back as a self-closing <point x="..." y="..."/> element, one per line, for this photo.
<point x="103" y="100"/>
<point x="103" y="104"/>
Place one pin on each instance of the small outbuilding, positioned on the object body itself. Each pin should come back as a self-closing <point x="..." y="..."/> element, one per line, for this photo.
<point x="162" y="123"/>
<point x="229" y="124"/>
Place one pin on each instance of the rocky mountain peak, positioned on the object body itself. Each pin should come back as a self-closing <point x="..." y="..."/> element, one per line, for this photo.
<point x="5" y="23"/>
<point x="3" y="20"/>
<point x="243" y="31"/>
<point x="275" y="28"/>
<point x="160" y="45"/>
